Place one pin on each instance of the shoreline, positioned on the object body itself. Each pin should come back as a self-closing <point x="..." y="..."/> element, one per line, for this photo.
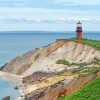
<point x="17" y="79"/>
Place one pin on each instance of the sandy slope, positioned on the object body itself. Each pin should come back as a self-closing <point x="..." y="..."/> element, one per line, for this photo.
<point x="44" y="59"/>
<point x="71" y="51"/>
<point x="11" y="77"/>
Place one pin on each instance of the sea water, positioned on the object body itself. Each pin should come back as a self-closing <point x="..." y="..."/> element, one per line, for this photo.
<point x="13" y="44"/>
<point x="7" y="89"/>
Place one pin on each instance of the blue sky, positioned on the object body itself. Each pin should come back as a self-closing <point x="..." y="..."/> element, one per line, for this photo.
<point x="49" y="15"/>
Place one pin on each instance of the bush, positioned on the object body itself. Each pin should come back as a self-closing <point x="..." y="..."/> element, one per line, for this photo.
<point x="63" y="62"/>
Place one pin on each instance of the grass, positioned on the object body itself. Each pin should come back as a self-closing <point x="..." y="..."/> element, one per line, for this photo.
<point x="83" y="68"/>
<point x="82" y="64"/>
<point x="63" y="61"/>
<point x="86" y="70"/>
<point x="96" y="61"/>
<point x="90" y="91"/>
<point x="93" y="43"/>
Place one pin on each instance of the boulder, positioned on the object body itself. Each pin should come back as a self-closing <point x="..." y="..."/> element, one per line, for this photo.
<point x="6" y="98"/>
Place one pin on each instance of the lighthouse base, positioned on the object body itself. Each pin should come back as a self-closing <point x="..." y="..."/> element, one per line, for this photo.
<point x="79" y="36"/>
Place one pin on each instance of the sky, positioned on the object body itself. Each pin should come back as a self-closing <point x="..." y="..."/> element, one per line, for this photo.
<point x="49" y="15"/>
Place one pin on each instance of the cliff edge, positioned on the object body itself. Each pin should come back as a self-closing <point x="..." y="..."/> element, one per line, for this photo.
<point x="44" y="59"/>
<point x="48" y="72"/>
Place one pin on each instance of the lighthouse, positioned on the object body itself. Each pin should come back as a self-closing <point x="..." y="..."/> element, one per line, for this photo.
<point x="79" y="31"/>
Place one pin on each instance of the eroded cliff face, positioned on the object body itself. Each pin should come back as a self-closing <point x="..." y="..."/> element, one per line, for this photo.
<point x="20" y="64"/>
<point x="43" y="78"/>
<point x="61" y="88"/>
<point x="44" y="59"/>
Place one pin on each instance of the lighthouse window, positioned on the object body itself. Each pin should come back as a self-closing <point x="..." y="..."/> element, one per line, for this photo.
<point x="79" y="25"/>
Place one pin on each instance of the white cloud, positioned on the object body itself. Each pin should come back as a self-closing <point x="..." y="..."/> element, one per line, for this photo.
<point x="39" y="18"/>
<point x="62" y="19"/>
<point x="79" y="19"/>
<point x="57" y="20"/>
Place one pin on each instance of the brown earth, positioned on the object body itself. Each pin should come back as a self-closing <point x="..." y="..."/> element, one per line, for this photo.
<point x="43" y="78"/>
<point x="61" y="88"/>
<point x="44" y="59"/>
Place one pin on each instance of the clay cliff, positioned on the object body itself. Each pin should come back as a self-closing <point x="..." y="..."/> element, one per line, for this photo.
<point x="48" y="71"/>
<point x="44" y="59"/>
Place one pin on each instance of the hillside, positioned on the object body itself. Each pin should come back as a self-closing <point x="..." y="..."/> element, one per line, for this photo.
<point x="48" y="71"/>
<point x="93" y="43"/>
<point x="45" y="58"/>
<point x="90" y="91"/>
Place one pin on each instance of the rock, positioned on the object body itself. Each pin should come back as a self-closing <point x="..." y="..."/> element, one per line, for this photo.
<point x="6" y="98"/>
<point x="16" y="87"/>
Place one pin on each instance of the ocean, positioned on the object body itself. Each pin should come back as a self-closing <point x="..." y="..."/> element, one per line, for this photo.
<point x="13" y="44"/>
<point x="7" y="89"/>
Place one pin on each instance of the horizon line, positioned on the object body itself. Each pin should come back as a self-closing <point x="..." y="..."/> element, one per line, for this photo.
<point x="47" y="31"/>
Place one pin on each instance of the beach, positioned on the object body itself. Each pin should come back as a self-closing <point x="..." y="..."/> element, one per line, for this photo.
<point x="16" y="79"/>
<point x="13" y="45"/>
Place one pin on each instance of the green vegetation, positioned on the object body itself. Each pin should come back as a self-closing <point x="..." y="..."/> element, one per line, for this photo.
<point x="96" y="61"/>
<point x="63" y="61"/>
<point x="91" y="91"/>
<point x="85" y="70"/>
<point x="80" y="65"/>
<point x="93" y="43"/>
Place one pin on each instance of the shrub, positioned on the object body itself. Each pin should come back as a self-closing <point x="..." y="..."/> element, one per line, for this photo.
<point x="63" y="62"/>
